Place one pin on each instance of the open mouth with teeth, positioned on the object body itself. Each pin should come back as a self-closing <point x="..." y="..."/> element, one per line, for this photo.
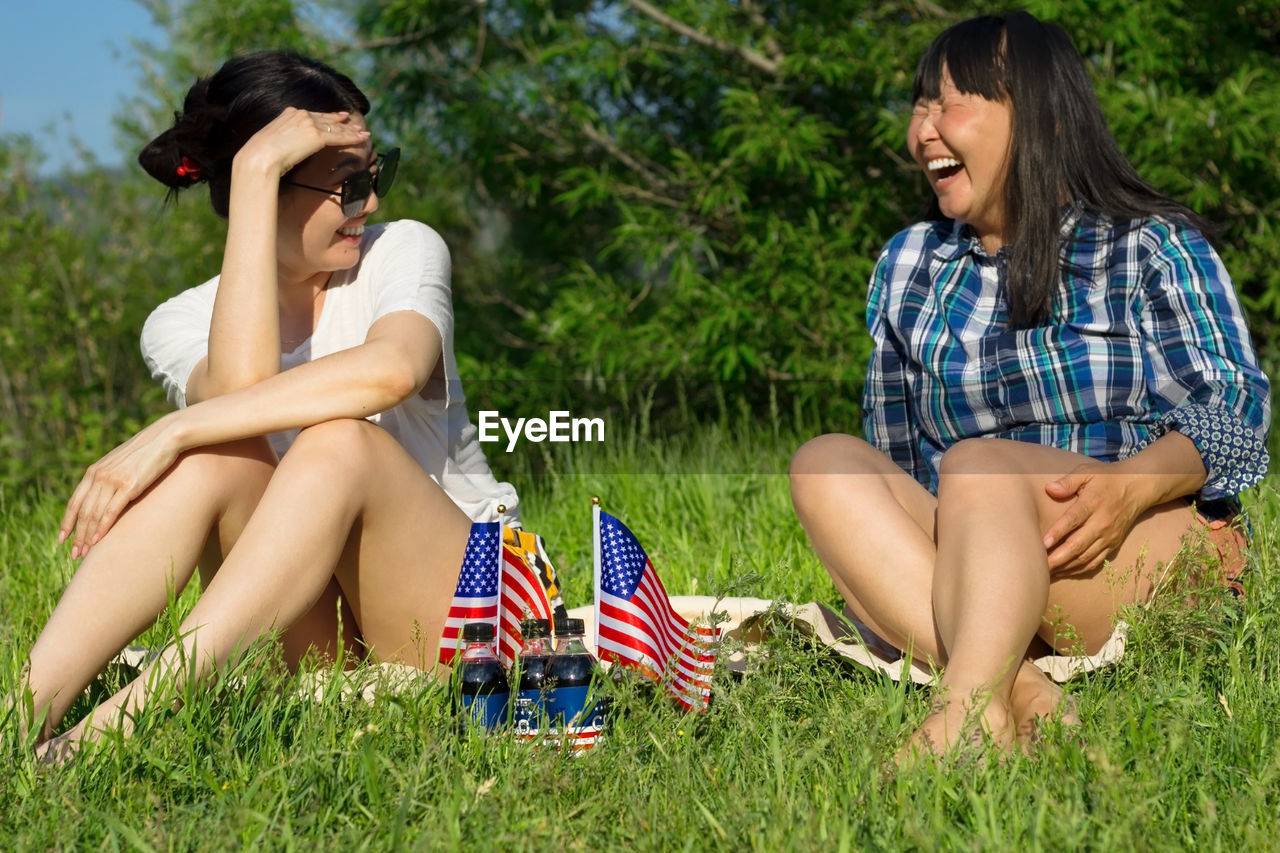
<point x="943" y="167"/>
<point x="353" y="231"/>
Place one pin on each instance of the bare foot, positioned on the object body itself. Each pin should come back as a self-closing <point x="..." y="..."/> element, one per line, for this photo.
<point x="965" y="723"/>
<point x="1034" y="699"/>
<point x="58" y="751"/>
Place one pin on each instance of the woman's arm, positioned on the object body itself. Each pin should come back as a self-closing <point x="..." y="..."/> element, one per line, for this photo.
<point x="397" y="358"/>
<point x="1200" y="362"/>
<point x="1211" y="441"/>
<point x="1103" y="500"/>
<point x="244" y="332"/>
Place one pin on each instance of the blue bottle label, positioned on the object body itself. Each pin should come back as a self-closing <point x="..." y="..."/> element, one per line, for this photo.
<point x="488" y="710"/>
<point x="578" y="720"/>
<point x="529" y="714"/>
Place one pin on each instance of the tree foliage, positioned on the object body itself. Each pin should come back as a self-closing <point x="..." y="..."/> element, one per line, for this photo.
<point x="698" y="189"/>
<point x="677" y="201"/>
<point x="86" y="259"/>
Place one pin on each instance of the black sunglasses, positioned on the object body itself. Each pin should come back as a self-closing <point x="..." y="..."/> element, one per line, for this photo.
<point x="356" y="187"/>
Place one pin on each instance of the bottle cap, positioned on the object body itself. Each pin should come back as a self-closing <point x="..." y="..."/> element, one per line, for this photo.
<point x="477" y="632"/>
<point x="535" y="628"/>
<point x="569" y="627"/>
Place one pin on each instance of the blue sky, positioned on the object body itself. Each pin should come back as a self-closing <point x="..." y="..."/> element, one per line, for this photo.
<point x="65" y="65"/>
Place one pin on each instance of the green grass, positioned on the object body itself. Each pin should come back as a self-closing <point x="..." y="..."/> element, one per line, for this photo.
<point x="1178" y="747"/>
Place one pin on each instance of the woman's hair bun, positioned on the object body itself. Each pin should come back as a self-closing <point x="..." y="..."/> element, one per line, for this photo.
<point x="221" y="112"/>
<point x="162" y="158"/>
<point x="178" y="157"/>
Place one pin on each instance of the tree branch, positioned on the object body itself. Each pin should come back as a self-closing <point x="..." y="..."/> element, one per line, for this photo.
<point x="407" y="38"/>
<point x="756" y="17"/>
<point x="933" y="9"/>
<point x="612" y="147"/>
<point x="769" y="65"/>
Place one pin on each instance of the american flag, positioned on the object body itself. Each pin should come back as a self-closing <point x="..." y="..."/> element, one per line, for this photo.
<point x="477" y="597"/>
<point x="635" y="624"/>
<point x="523" y="597"/>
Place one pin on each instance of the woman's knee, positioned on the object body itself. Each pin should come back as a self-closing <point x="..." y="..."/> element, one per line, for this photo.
<point x="976" y="456"/>
<point x="833" y="453"/>
<point x="349" y="445"/>
<point x="982" y="473"/>
<point x="818" y="456"/>
<point x="835" y="469"/>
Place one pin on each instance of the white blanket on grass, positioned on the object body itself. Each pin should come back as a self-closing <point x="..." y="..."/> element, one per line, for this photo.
<point x="752" y="620"/>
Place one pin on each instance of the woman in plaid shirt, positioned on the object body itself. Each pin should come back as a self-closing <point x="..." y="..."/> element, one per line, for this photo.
<point x="1062" y="389"/>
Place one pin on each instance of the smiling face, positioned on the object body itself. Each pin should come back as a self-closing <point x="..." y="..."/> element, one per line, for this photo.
<point x="313" y="235"/>
<point x="962" y="142"/>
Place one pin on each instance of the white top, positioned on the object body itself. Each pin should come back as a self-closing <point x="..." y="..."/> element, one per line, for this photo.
<point x="404" y="266"/>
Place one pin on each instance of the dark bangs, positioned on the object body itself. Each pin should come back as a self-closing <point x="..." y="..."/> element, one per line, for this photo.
<point x="973" y="53"/>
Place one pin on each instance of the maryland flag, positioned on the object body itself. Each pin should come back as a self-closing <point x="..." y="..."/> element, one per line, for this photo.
<point x="533" y="550"/>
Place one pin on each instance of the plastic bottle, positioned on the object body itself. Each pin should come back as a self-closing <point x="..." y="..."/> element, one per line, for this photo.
<point x="577" y="717"/>
<point x="483" y="692"/>
<point x="529" y="674"/>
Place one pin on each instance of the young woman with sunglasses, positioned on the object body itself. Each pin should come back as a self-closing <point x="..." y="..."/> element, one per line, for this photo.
<point x="320" y="469"/>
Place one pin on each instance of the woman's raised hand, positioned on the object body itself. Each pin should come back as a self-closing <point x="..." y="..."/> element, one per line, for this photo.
<point x="295" y="135"/>
<point x="113" y="482"/>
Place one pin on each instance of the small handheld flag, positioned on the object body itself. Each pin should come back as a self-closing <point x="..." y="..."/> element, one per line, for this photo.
<point x="476" y="597"/>
<point x="524" y="596"/>
<point x="500" y="583"/>
<point x="635" y="623"/>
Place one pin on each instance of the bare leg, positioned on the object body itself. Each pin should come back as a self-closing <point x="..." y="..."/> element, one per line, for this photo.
<point x="346" y="495"/>
<point x="874" y="528"/>
<point x="317" y="631"/>
<point x="126" y="579"/>
<point x="990" y="587"/>
<point x="992" y="592"/>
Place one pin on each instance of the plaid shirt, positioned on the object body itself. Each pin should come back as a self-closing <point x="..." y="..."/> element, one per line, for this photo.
<point x="1146" y="336"/>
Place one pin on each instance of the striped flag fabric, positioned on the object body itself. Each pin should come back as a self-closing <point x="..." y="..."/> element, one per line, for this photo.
<point x="635" y="623"/>
<point x="476" y="597"/>
<point x="497" y="584"/>
<point x="523" y="596"/>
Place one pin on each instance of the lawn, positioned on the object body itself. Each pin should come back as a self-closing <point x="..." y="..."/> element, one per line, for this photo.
<point x="1177" y="750"/>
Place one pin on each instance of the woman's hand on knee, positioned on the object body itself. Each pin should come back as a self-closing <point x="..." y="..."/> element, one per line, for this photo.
<point x="113" y="482"/>
<point x="1101" y="504"/>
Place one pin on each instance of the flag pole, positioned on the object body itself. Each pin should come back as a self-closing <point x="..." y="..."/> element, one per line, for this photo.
<point x="595" y="567"/>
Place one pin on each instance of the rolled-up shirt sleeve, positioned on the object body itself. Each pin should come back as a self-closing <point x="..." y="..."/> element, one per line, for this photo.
<point x="1201" y="365"/>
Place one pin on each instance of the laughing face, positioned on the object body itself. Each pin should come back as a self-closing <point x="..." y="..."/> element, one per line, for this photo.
<point x="314" y="236"/>
<point x="962" y="143"/>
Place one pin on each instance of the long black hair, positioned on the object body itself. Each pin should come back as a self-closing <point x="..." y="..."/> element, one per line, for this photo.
<point x="1061" y="148"/>
<point x="222" y="111"/>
